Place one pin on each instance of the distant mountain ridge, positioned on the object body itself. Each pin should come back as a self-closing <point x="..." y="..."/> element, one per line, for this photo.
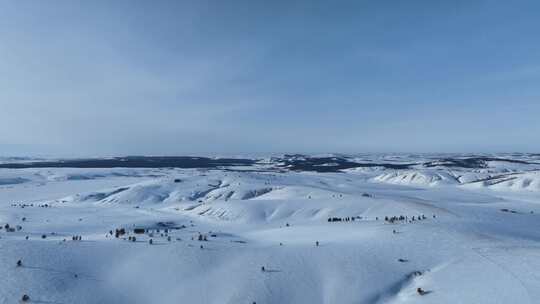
<point x="293" y="162"/>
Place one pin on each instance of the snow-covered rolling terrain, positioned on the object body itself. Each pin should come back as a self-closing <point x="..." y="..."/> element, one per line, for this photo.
<point x="283" y="229"/>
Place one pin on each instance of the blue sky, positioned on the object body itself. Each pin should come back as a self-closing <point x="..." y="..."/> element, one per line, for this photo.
<point x="86" y="78"/>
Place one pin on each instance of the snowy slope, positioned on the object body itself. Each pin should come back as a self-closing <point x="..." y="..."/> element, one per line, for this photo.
<point x="529" y="181"/>
<point x="418" y="177"/>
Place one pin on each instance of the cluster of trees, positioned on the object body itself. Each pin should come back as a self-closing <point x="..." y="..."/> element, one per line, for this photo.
<point x="401" y="218"/>
<point x="23" y="205"/>
<point x="118" y="232"/>
<point x="163" y="233"/>
<point x="394" y="219"/>
<point x="344" y="219"/>
<point x="11" y="229"/>
<point x="390" y="219"/>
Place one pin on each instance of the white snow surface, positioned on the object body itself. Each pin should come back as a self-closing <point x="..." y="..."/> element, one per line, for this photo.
<point x="418" y="177"/>
<point x="479" y="242"/>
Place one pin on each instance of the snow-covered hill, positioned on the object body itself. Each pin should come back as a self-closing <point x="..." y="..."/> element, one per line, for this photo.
<point x="418" y="177"/>
<point x="529" y="181"/>
<point x="462" y="231"/>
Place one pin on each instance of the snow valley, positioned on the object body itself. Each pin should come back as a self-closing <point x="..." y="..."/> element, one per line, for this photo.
<point x="370" y="228"/>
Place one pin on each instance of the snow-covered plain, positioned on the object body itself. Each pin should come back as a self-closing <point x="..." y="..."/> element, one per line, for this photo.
<point x="478" y="240"/>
